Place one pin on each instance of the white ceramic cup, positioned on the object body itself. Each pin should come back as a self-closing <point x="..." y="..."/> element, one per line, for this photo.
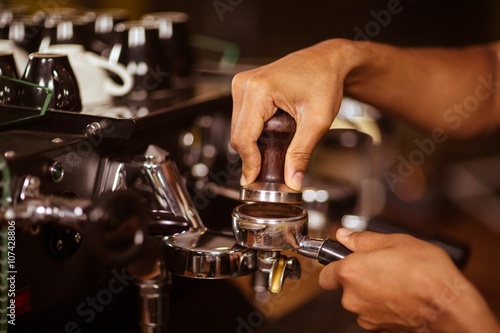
<point x="96" y="87"/>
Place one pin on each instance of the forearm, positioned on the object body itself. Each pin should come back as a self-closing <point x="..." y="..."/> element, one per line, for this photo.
<point x="464" y="310"/>
<point x="452" y="89"/>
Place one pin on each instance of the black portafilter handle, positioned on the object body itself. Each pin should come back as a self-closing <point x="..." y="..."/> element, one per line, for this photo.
<point x="323" y="250"/>
<point x="332" y="251"/>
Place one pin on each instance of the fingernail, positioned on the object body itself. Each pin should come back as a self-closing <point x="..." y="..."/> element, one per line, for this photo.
<point x="243" y="181"/>
<point x="297" y="180"/>
<point x="344" y="232"/>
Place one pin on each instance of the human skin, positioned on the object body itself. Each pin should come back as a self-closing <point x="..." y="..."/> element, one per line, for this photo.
<point x="397" y="283"/>
<point x="393" y="282"/>
<point x="422" y="86"/>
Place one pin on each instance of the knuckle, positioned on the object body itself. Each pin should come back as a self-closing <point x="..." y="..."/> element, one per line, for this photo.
<point x="239" y="140"/>
<point x="320" y="123"/>
<point x="367" y="325"/>
<point x="255" y="86"/>
<point x="235" y="141"/>
<point x="321" y="120"/>
<point x="350" y="302"/>
<point x="248" y="169"/>
<point x="362" y="240"/>
<point x="401" y="239"/>
<point x="300" y="155"/>
<point x="239" y="80"/>
<point x="344" y="272"/>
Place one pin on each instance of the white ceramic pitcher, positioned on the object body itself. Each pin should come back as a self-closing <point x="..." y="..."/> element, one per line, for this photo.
<point x="96" y="87"/>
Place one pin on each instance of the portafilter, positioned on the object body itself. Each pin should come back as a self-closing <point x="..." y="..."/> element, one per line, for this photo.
<point x="273" y="220"/>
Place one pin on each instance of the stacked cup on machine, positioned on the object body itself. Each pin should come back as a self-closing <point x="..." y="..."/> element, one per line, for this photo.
<point x="154" y="52"/>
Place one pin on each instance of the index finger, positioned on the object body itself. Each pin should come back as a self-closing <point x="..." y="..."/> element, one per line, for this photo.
<point x="309" y="132"/>
<point x="252" y="106"/>
<point x="329" y="276"/>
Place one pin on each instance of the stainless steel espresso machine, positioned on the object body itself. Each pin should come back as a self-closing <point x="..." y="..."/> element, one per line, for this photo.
<point x="90" y="188"/>
<point x="92" y="199"/>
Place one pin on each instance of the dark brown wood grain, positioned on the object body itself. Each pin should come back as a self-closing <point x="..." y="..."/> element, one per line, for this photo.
<point x="273" y="143"/>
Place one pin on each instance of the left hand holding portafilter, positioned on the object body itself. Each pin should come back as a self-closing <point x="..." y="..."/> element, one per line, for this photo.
<point x="273" y="220"/>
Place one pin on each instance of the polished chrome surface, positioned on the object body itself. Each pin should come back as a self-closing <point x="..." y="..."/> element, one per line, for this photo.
<point x="269" y="227"/>
<point x="266" y="260"/>
<point x="153" y="300"/>
<point x="273" y="227"/>
<point x="310" y="247"/>
<point x="169" y="189"/>
<point x="30" y="188"/>
<point x="67" y="212"/>
<point x="272" y="270"/>
<point x="208" y="255"/>
<point x="198" y="253"/>
<point x="270" y="192"/>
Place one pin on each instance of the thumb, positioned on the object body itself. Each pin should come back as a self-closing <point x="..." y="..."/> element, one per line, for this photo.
<point x="362" y="241"/>
<point x="331" y="277"/>
<point x="300" y="150"/>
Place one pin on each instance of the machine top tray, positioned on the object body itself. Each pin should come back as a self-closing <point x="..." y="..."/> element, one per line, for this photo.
<point x="122" y="118"/>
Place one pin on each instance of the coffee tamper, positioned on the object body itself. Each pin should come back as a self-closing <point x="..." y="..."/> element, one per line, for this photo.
<point x="270" y="183"/>
<point x="272" y="219"/>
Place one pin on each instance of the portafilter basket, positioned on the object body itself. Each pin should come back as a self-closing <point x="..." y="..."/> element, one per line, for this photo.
<point x="277" y="227"/>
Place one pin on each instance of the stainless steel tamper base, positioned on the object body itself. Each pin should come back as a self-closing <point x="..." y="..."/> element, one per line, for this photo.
<point x="270" y="192"/>
<point x="208" y="255"/>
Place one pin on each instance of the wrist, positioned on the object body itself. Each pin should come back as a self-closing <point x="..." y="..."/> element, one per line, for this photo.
<point x="346" y="56"/>
<point x="352" y="61"/>
<point x="462" y="310"/>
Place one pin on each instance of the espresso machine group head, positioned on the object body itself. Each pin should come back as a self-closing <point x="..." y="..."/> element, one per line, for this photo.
<point x="272" y="219"/>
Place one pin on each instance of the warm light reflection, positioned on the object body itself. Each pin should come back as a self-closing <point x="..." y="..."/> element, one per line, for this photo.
<point x="136" y="36"/>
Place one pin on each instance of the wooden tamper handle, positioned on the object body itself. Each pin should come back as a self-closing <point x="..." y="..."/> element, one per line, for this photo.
<point x="273" y="144"/>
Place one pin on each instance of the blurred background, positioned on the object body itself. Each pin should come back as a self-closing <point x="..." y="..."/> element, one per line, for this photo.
<point x="273" y="28"/>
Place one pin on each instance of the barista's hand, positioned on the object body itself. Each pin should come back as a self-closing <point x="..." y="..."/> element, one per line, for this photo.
<point x="309" y="85"/>
<point x="398" y="283"/>
<point x="297" y="84"/>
